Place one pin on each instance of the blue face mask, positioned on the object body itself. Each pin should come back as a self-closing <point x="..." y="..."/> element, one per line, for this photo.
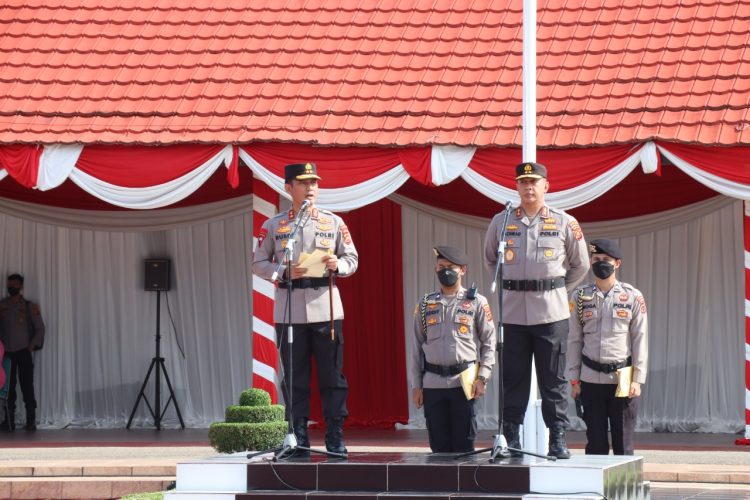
<point x="602" y="269"/>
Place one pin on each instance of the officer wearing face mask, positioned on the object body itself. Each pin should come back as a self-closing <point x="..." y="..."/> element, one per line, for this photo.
<point x="453" y="330"/>
<point x="22" y="332"/>
<point x="608" y="332"/>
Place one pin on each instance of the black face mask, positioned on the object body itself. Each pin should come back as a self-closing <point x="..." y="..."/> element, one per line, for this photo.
<point x="12" y="291"/>
<point x="447" y="277"/>
<point x="602" y="269"/>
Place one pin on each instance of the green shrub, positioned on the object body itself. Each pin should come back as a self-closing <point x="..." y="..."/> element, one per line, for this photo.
<point x="254" y="414"/>
<point x="255" y="397"/>
<point x="144" y="496"/>
<point x="233" y="437"/>
<point x="255" y="424"/>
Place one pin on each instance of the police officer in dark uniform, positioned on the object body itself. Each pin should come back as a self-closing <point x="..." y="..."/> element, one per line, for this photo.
<point x="453" y="330"/>
<point x="545" y="255"/>
<point x="22" y="333"/>
<point x="608" y="334"/>
<point x="311" y="301"/>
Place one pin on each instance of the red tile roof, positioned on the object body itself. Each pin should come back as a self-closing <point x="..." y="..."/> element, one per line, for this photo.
<point x="392" y="72"/>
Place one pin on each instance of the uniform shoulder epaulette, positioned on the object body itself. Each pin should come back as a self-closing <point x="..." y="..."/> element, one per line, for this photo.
<point x="432" y="295"/>
<point x="556" y="210"/>
<point x="324" y="211"/>
<point x="628" y="286"/>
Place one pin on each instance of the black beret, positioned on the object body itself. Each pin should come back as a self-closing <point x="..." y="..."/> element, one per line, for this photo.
<point x="531" y="170"/>
<point x="452" y="254"/>
<point x="301" y="171"/>
<point x="603" y="245"/>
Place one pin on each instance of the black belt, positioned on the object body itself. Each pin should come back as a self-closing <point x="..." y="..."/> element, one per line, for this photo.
<point x="447" y="371"/>
<point x="542" y="285"/>
<point x="306" y="283"/>
<point x="606" y="367"/>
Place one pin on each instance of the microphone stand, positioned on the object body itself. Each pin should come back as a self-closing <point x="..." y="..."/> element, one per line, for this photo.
<point x="289" y="446"/>
<point x="500" y="448"/>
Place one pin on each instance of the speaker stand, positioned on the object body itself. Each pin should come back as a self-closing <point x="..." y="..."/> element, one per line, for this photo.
<point x="158" y="367"/>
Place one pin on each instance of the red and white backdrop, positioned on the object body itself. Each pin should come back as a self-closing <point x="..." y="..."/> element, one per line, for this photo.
<point x="402" y="201"/>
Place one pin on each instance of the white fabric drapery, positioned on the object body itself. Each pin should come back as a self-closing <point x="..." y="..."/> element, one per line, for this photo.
<point x="686" y="263"/>
<point x="102" y="338"/>
<point x="337" y="199"/>
<point x="101" y="323"/>
<point x="58" y="163"/>
<point x="158" y="196"/>
<point x="574" y="197"/>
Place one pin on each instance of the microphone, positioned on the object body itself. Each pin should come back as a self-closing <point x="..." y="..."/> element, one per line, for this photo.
<point x="305" y="205"/>
<point x="508" y="205"/>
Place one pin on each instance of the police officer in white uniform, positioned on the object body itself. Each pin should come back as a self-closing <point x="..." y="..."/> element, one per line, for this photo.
<point x="608" y="332"/>
<point x="453" y="330"/>
<point x="310" y="312"/>
<point x="545" y="257"/>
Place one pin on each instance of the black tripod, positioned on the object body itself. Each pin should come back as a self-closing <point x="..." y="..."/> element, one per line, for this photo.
<point x="157" y="366"/>
<point x="500" y="448"/>
<point x="290" y="446"/>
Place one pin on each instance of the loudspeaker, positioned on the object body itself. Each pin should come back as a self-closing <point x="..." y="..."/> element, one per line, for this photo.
<point x="156" y="275"/>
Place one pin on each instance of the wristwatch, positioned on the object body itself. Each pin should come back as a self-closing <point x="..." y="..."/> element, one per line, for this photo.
<point x="483" y="379"/>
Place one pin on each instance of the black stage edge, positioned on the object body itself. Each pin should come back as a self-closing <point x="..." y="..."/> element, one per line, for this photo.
<point x="397" y="472"/>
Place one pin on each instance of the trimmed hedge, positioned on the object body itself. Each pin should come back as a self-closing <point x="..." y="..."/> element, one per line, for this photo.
<point x="255" y="424"/>
<point x="255" y="397"/>
<point x="233" y="437"/>
<point x="254" y="414"/>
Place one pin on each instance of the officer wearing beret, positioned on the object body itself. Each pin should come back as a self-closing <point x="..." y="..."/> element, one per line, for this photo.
<point x="453" y="330"/>
<point x="310" y="301"/>
<point x="545" y="255"/>
<point x="608" y="331"/>
<point x="22" y="333"/>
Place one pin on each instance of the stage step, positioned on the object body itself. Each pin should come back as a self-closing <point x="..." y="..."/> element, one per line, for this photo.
<point x="410" y="475"/>
<point x="79" y="488"/>
<point x="82" y="479"/>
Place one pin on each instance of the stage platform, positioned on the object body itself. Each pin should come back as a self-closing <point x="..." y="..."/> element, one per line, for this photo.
<point x="401" y="438"/>
<point x="105" y="463"/>
<point x="413" y="475"/>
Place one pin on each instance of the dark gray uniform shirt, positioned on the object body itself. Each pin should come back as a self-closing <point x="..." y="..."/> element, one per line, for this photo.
<point x="16" y="332"/>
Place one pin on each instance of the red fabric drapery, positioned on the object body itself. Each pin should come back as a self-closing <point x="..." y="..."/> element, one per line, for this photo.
<point x="374" y="359"/>
<point x="727" y="163"/>
<point x="144" y="166"/>
<point x="617" y="203"/>
<point x="566" y="168"/>
<point x="22" y="162"/>
<point x="339" y="167"/>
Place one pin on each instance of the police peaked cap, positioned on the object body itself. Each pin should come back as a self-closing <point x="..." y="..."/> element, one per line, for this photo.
<point x="301" y="171"/>
<point x="531" y="170"/>
<point x="452" y="254"/>
<point x="603" y="245"/>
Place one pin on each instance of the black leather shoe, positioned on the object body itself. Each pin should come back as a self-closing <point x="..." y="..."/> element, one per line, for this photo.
<point x="557" y="446"/>
<point x="335" y="436"/>
<point x="9" y="424"/>
<point x="300" y="433"/>
<point x="511" y="433"/>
